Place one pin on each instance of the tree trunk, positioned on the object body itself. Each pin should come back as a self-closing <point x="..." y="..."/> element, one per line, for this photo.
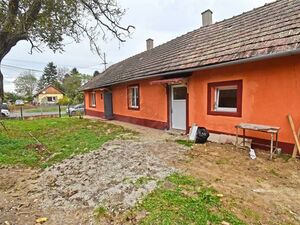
<point x="1" y="89"/>
<point x="6" y="44"/>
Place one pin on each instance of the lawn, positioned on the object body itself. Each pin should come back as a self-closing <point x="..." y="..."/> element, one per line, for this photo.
<point x="185" y="200"/>
<point x="179" y="199"/>
<point x="43" y="142"/>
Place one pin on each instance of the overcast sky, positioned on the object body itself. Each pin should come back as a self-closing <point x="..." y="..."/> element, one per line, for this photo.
<point x="156" y="19"/>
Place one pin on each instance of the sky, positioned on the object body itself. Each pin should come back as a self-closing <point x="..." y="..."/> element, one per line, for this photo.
<point x="161" y="20"/>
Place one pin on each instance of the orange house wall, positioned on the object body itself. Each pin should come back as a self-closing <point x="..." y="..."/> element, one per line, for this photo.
<point x="153" y="101"/>
<point x="94" y="111"/>
<point x="271" y="90"/>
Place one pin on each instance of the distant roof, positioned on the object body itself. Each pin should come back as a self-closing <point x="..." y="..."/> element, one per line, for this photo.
<point x="45" y="88"/>
<point x="270" y="29"/>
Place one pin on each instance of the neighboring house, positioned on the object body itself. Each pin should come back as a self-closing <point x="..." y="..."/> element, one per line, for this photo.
<point x="48" y="95"/>
<point x="243" y="69"/>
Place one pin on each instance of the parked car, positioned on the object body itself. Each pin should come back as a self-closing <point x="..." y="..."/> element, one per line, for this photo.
<point x="5" y="110"/>
<point x="77" y="109"/>
<point x="19" y="102"/>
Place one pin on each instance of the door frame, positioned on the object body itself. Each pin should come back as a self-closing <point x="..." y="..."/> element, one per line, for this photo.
<point x="169" y="103"/>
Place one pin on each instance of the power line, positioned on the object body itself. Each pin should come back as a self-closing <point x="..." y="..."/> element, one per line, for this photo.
<point x="21" y="68"/>
<point x="40" y="62"/>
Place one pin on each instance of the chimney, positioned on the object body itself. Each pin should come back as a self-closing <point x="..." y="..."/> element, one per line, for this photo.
<point x="149" y="43"/>
<point x="207" y="18"/>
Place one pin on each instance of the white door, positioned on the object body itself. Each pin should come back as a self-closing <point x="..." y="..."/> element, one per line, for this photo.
<point x="178" y="104"/>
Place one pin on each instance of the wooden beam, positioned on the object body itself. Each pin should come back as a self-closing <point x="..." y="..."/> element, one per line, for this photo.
<point x="297" y="144"/>
<point x="295" y="147"/>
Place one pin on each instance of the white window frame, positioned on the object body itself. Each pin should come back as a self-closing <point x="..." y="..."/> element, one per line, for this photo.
<point x="134" y="97"/>
<point x="217" y="95"/>
<point x="93" y="100"/>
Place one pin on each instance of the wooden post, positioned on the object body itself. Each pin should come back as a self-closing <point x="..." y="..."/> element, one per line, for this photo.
<point x="236" y="137"/>
<point x="272" y="145"/>
<point x="244" y="134"/>
<point x="59" y="111"/>
<point x="297" y="144"/>
<point x="69" y="110"/>
<point x="21" y="110"/>
<point x="295" y="147"/>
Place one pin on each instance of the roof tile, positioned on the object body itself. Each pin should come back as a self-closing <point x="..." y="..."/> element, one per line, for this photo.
<point x="270" y="29"/>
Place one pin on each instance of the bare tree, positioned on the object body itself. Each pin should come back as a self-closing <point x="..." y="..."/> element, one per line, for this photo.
<point x="25" y="84"/>
<point x="50" y="21"/>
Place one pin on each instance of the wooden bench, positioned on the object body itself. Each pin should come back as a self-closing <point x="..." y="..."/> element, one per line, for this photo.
<point x="273" y="131"/>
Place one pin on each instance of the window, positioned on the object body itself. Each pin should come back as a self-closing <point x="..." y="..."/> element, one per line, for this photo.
<point x="93" y="99"/>
<point x="51" y="99"/>
<point x="225" y="98"/>
<point x="179" y="93"/>
<point x="133" y="97"/>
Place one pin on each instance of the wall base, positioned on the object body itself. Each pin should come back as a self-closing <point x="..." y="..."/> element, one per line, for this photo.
<point x="143" y="122"/>
<point x="94" y="113"/>
<point x="286" y="147"/>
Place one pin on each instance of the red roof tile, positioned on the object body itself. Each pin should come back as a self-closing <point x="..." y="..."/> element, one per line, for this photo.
<point x="272" y="28"/>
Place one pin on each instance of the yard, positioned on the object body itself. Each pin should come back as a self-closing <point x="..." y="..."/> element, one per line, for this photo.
<point x="43" y="142"/>
<point x="93" y="172"/>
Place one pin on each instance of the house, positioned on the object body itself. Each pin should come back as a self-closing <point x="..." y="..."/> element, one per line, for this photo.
<point x="242" y="69"/>
<point x="48" y="95"/>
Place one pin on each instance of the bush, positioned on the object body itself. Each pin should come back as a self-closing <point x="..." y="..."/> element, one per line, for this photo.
<point x="64" y="101"/>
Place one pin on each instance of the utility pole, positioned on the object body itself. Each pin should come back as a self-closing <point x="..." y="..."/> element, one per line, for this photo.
<point x="104" y="59"/>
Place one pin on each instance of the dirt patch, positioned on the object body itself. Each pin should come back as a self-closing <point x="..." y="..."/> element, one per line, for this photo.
<point x="259" y="191"/>
<point x="115" y="177"/>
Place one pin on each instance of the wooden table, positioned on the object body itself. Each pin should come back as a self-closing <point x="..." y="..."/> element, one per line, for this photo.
<point x="260" y="128"/>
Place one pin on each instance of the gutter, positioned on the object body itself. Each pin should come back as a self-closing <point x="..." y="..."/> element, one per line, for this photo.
<point x="213" y="66"/>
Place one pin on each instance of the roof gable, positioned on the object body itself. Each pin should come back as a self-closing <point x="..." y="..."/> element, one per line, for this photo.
<point x="270" y="29"/>
<point x="50" y="89"/>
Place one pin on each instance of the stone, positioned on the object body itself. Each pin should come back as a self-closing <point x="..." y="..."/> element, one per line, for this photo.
<point x="107" y="176"/>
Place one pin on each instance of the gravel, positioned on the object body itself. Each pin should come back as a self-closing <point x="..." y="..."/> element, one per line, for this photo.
<point x="115" y="177"/>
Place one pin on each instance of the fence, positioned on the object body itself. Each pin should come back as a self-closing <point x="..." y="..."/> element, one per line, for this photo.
<point x="37" y="111"/>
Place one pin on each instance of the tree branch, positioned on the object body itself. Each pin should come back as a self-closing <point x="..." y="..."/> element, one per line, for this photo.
<point x="10" y="21"/>
<point x="32" y="13"/>
<point x="33" y="46"/>
<point x="114" y="24"/>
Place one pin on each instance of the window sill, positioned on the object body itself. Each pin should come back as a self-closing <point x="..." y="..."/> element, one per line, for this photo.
<point x="222" y="113"/>
<point x="134" y="108"/>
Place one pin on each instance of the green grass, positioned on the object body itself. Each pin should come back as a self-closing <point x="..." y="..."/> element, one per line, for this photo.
<point x="142" y="181"/>
<point x="100" y="212"/>
<point x="184" y="201"/>
<point x="185" y="143"/>
<point x="61" y="138"/>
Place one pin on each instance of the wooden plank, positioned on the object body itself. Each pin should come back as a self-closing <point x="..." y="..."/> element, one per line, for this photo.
<point x="295" y="147"/>
<point x="258" y="127"/>
<point x="294" y="133"/>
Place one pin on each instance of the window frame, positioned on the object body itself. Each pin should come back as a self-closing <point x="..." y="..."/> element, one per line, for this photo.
<point x="212" y="88"/>
<point x="53" y="99"/>
<point x="129" y="88"/>
<point x="93" y="95"/>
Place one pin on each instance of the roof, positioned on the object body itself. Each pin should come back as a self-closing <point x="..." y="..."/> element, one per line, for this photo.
<point x="45" y="88"/>
<point x="267" y="30"/>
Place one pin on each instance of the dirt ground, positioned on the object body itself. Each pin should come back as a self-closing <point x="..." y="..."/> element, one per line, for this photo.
<point x="115" y="177"/>
<point x="258" y="191"/>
